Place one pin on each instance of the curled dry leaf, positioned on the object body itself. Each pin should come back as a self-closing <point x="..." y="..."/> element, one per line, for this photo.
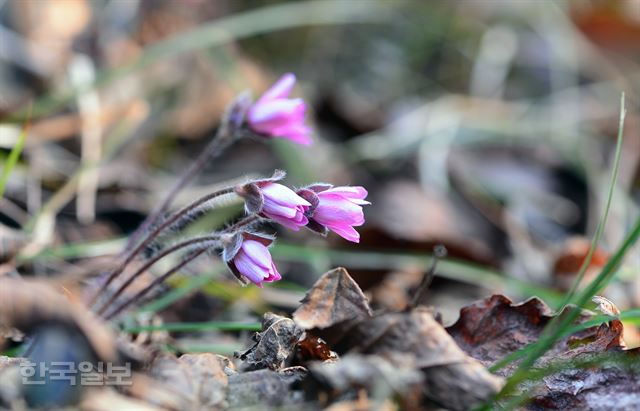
<point x="452" y="378"/>
<point x="414" y="339"/>
<point x="333" y="299"/>
<point x="493" y="328"/>
<point x="274" y="344"/>
<point x="605" y="305"/>
<point x="334" y="304"/>
<point x="197" y="380"/>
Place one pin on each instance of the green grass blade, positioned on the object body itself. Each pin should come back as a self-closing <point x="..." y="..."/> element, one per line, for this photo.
<point x="624" y="361"/>
<point x="12" y="160"/>
<point x="198" y="326"/>
<point x="554" y="331"/>
<point x="529" y="350"/>
<point x="605" y="214"/>
<point x="630" y="316"/>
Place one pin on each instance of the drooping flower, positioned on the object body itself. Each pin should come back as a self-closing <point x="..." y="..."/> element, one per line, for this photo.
<point x="283" y="205"/>
<point x="271" y="200"/>
<point x="338" y="209"/>
<point x="276" y="115"/>
<point x="249" y="259"/>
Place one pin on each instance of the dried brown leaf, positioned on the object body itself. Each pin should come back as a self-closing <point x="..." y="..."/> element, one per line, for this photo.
<point x="416" y="338"/>
<point x="274" y="344"/>
<point x="490" y="329"/>
<point x="335" y="298"/>
<point x="604" y="387"/>
<point x="493" y="328"/>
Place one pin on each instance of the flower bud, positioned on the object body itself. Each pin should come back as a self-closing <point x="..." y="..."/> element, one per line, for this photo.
<point x="275" y="115"/>
<point x="248" y="258"/>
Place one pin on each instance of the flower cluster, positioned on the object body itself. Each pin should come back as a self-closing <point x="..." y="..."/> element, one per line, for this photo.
<point x="318" y="207"/>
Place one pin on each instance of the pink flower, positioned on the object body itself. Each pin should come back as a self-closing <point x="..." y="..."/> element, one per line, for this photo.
<point x="284" y="206"/>
<point x="253" y="261"/>
<point x="275" y="115"/>
<point x="340" y="209"/>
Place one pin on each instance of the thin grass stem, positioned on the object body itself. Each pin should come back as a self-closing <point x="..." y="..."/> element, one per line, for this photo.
<point x="603" y="220"/>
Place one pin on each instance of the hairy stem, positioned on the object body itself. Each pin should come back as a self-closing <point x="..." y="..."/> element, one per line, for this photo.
<point x="205" y="242"/>
<point x="150" y="237"/>
<point x="190" y="257"/>
<point x="218" y="144"/>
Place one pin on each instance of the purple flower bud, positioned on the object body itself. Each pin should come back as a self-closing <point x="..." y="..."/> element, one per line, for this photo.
<point x="251" y="260"/>
<point x="340" y="209"/>
<point x="275" y="115"/>
<point x="283" y="205"/>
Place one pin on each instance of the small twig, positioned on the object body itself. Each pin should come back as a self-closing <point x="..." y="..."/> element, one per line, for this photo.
<point x="439" y="252"/>
<point x="149" y="238"/>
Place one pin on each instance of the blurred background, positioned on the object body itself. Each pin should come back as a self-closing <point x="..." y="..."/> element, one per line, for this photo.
<point x="486" y="126"/>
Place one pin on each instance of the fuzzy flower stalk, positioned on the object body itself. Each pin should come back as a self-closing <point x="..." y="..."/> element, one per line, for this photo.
<point x="276" y="115"/>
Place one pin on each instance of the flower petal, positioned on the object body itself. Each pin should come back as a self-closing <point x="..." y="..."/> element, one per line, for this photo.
<point x="248" y="268"/>
<point x="272" y="208"/>
<point x="258" y="253"/>
<point x="274" y="275"/>
<point x="280" y="88"/>
<point x="355" y="194"/>
<point x="277" y="113"/>
<point x="347" y="232"/>
<point x="333" y="210"/>
<point x="298" y="133"/>
<point x="282" y="195"/>
<point x="289" y="223"/>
